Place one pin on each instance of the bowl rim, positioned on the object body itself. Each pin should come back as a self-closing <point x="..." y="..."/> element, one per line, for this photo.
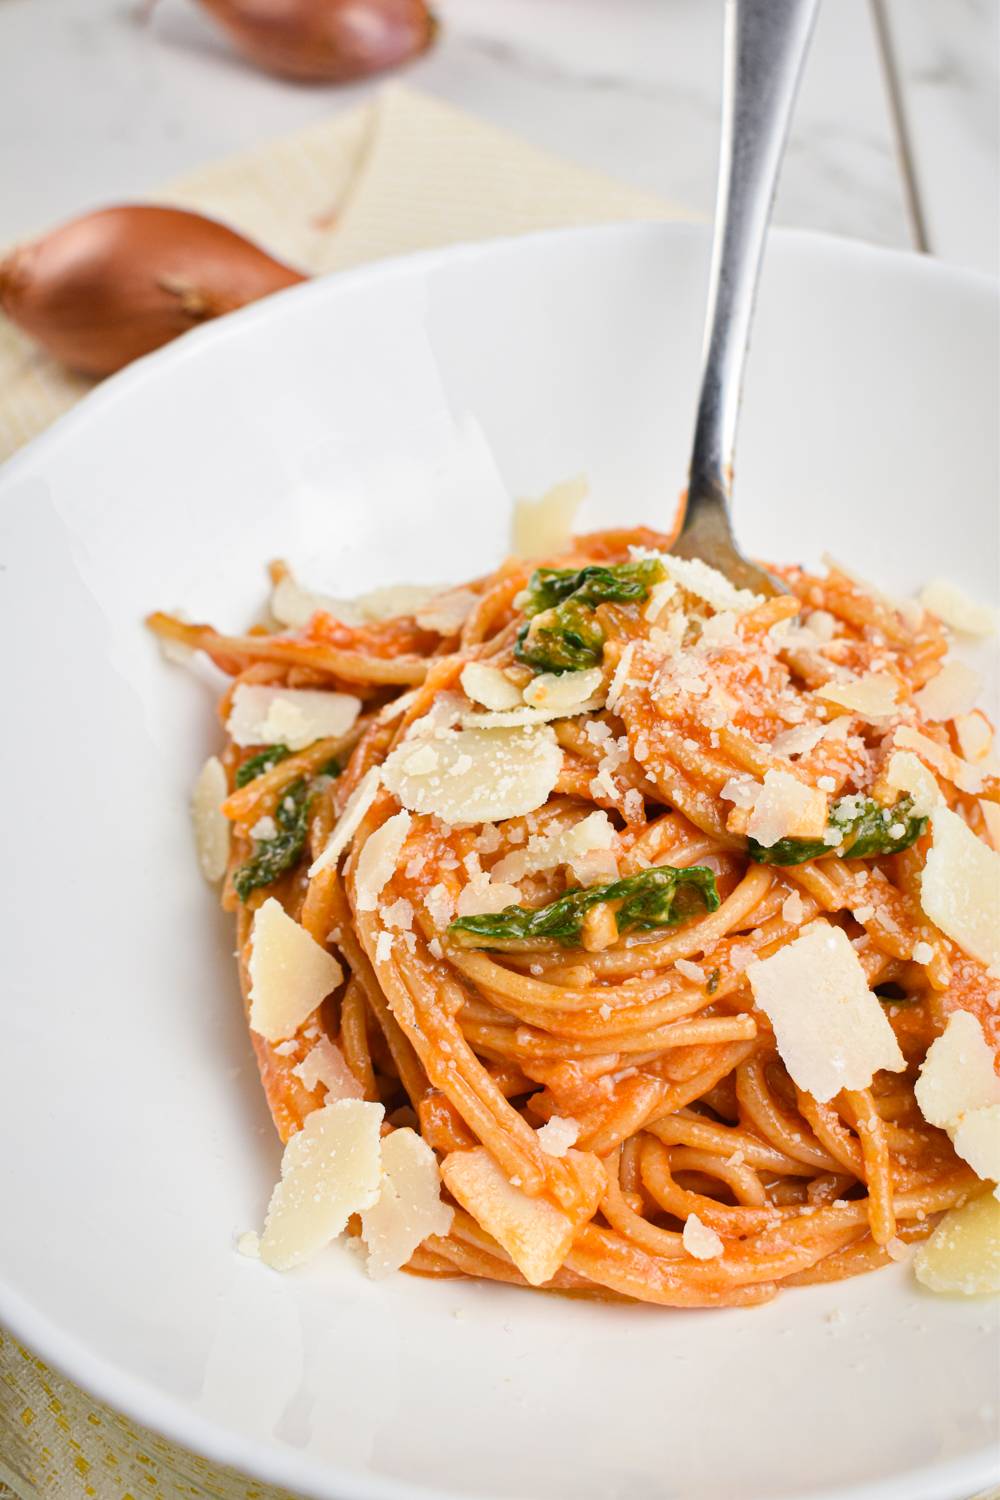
<point x="134" y="1397"/>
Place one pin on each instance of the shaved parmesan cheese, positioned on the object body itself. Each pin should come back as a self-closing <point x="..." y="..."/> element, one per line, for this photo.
<point x="396" y="599"/>
<point x="976" y="1139"/>
<point x="483" y="895"/>
<point x="294" y="606"/>
<point x="396" y="707"/>
<point x="536" y="1235"/>
<point x="619" y="678"/>
<point x="543" y="527"/>
<point x="962" y="1256"/>
<point x="378" y="858"/>
<point x="706" y="583"/>
<point x="358" y="805"/>
<point x="952" y="691"/>
<point x="325" y="1064"/>
<point x="958" y="1073"/>
<point x="871" y="697"/>
<point x="482" y="775"/>
<point x="446" y="613"/>
<point x="967" y="778"/>
<point x="905" y="773"/>
<point x="248" y="1244"/>
<point x="409" y="1206"/>
<point x="831" y="1031"/>
<point x="960" y="887"/>
<point x="660" y="596"/>
<point x="699" y="1240"/>
<point x="741" y="790"/>
<point x="557" y="1135"/>
<point x="566" y="846"/>
<point x="295" y="717"/>
<point x="289" y="973"/>
<point x="329" y="1171"/>
<point x="786" y="808"/>
<point x="565" y="692"/>
<point x="975" y="735"/>
<point x="210" y="824"/>
<point x="489" y="686"/>
<point x="957" y="610"/>
<point x="991" y="817"/>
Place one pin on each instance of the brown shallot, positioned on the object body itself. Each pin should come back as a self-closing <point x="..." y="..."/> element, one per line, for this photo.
<point x="329" y="41"/>
<point x="101" y="290"/>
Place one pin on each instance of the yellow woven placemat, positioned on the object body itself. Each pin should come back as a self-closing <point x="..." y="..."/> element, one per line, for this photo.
<point x="403" y="173"/>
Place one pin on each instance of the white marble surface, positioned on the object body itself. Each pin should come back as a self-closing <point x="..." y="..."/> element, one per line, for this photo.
<point x="95" y="106"/>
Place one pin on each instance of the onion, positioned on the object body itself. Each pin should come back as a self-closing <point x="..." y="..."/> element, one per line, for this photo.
<point x="326" y="40"/>
<point x="101" y="290"/>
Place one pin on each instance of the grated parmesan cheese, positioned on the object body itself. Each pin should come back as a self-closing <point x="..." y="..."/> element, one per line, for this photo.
<point x="700" y="1241"/>
<point x="708" y="584"/>
<point x="210" y="824"/>
<point x="962" y="1256"/>
<point x="295" y="717"/>
<point x="358" y="805"/>
<point x="329" y="1171"/>
<point x="957" y="610"/>
<point x="951" y="691"/>
<point x="960" y="887"/>
<point x="573" y="846"/>
<point x="378" y="859"/>
<point x="324" y="1064"/>
<point x="248" y="1244"/>
<point x="792" y="908"/>
<point x="409" y="1206"/>
<point x="490" y="686"/>
<point x="872" y="697"/>
<point x="536" y="1235"/>
<point x="542" y="528"/>
<point x="483" y="894"/>
<point x="483" y="774"/>
<point x="688" y="970"/>
<point x="558" y="1134"/>
<point x="830" y="1029"/>
<point x="289" y="973"/>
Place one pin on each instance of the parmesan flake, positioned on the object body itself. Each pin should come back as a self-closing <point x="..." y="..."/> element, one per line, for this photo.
<point x="378" y="859"/>
<point x="289" y="973"/>
<point x="358" y="805"/>
<point x="960" y="887"/>
<point x="831" y="1031"/>
<point x="296" y="717"/>
<point x="409" y="1206"/>
<point x="210" y="824"/>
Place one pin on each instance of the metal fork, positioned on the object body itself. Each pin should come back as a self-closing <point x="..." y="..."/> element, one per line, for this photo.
<point x="765" y="45"/>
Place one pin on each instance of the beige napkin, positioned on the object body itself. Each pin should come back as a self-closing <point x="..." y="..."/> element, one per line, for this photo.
<point x="404" y="173"/>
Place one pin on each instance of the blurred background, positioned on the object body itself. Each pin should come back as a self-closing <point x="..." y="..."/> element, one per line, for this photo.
<point x="102" y="99"/>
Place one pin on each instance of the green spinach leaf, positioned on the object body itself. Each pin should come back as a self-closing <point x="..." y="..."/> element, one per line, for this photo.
<point x="272" y="857"/>
<point x="563" y="633"/>
<point x="865" y="828"/>
<point x="658" y="897"/>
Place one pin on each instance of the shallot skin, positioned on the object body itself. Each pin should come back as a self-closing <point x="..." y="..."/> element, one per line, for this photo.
<point x="331" y="41"/>
<point x="104" y="289"/>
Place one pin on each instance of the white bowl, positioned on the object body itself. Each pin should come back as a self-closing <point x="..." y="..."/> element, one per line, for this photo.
<point x="371" y="427"/>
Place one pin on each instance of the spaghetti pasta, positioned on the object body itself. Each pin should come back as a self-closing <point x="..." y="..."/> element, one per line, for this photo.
<point x="585" y="951"/>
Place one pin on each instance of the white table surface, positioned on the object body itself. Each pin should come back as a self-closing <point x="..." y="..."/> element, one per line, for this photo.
<point x="95" y="105"/>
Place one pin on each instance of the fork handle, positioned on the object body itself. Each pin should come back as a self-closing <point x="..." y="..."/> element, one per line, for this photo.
<point x="765" y="46"/>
